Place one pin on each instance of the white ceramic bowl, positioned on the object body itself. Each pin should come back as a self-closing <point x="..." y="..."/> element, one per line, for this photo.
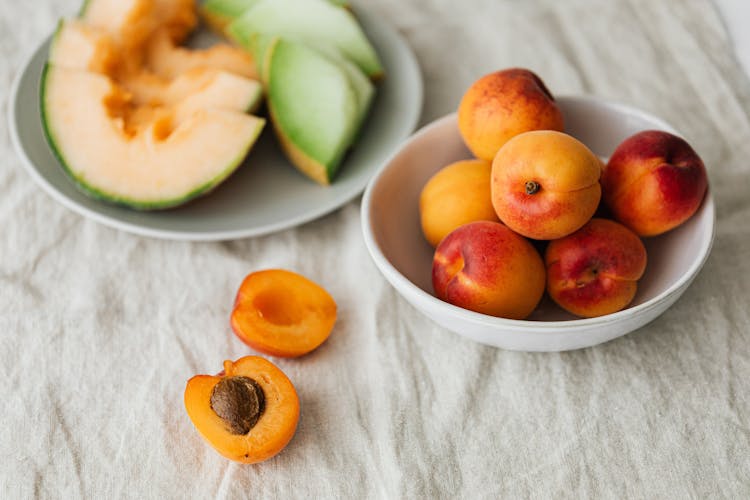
<point x="390" y="222"/>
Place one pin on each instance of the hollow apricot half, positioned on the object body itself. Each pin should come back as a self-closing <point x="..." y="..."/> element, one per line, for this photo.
<point x="248" y="413"/>
<point x="281" y="313"/>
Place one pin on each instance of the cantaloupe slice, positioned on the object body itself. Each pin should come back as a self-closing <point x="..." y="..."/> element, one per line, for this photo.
<point x="77" y="45"/>
<point x="130" y="135"/>
<point x="167" y="60"/>
<point x="145" y="158"/>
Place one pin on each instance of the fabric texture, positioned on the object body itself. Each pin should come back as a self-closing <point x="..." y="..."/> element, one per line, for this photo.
<point x="101" y="329"/>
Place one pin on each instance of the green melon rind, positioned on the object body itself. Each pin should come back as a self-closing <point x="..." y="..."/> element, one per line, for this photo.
<point x="127" y="202"/>
<point x="300" y="145"/>
<point x="84" y="7"/>
<point x="263" y="17"/>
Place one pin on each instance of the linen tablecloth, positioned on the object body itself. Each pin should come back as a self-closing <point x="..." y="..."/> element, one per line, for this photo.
<point x="101" y="329"/>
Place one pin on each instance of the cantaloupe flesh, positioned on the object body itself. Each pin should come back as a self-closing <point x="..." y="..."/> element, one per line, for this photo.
<point x="167" y="60"/>
<point x="77" y="45"/>
<point x="158" y="159"/>
<point x="200" y="88"/>
<point x="128" y="22"/>
<point x="132" y="21"/>
<point x="313" y="108"/>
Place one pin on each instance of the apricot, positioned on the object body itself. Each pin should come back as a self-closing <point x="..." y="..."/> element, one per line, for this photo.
<point x="545" y="184"/>
<point x="485" y="267"/>
<point x="654" y="182"/>
<point x="249" y="413"/>
<point x="595" y="270"/>
<point x="454" y="196"/>
<point x="282" y="313"/>
<point x="502" y="105"/>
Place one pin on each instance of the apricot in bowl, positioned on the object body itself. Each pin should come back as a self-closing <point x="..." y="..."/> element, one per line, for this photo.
<point x="391" y="227"/>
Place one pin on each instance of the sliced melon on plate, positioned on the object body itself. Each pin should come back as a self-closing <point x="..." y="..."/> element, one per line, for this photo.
<point x="309" y="21"/>
<point x="313" y="107"/>
<point x="77" y="45"/>
<point x="129" y="22"/>
<point x="219" y="13"/>
<point x="142" y="157"/>
<point x="168" y="60"/>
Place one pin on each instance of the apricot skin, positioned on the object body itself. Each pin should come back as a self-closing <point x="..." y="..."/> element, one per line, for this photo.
<point x="595" y="270"/>
<point x="281" y="313"/>
<point x="456" y="195"/>
<point x="503" y="104"/>
<point x="485" y="267"/>
<point x="654" y="182"/>
<point x="273" y="430"/>
<point x="567" y="175"/>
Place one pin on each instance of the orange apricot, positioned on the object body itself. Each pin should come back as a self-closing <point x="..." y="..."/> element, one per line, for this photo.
<point x="281" y="313"/>
<point x="503" y="104"/>
<point x="249" y="413"/>
<point x="456" y="195"/>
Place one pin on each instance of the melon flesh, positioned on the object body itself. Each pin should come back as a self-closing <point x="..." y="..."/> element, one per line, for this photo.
<point x="137" y="120"/>
<point x="167" y="60"/>
<point x="77" y="45"/>
<point x="308" y="21"/>
<point x="158" y="162"/>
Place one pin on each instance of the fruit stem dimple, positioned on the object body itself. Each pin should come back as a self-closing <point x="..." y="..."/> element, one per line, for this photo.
<point x="532" y="187"/>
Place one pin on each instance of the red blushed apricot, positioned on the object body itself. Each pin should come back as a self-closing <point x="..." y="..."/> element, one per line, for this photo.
<point x="503" y="104"/>
<point x="654" y="182"/>
<point x="545" y="184"/>
<point x="595" y="270"/>
<point x="249" y="413"/>
<point x="281" y="313"/>
<point x="485" y="267"/>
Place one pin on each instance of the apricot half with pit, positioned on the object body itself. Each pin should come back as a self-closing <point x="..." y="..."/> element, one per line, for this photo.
<point x="282" y="313"/>
<point x="248" y="413"/>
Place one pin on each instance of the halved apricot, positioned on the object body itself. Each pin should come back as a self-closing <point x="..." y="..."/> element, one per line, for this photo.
<point x="281" y="313"/>
<point x="249" y="413"/>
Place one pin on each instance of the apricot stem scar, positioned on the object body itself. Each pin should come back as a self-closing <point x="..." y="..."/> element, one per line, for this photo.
<point x="532" y="187"/>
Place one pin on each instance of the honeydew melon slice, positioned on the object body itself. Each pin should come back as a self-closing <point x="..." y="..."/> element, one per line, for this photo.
<point x="313" y="107"/>
<point x="144" y="158"/>
<point x="309" y="21"/>
<point x="363" y="86"/>
<point x="219" y="13"/>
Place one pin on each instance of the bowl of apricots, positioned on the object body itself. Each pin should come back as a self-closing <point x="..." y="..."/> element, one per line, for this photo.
<point x="539" y="223"/>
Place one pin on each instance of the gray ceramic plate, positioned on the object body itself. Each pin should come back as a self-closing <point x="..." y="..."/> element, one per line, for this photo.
<point x="266" y="194"/>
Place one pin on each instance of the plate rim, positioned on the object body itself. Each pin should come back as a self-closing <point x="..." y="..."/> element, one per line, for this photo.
<point x="209" y="236"/>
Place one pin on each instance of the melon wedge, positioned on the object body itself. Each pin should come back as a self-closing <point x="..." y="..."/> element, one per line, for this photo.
<point x="219" y="13"/>
<point x="77" y="45"/>
<point x="144" y="158"/>
<point x="313" y="106"/>
<point x="309" y="21"/>
<point x="167" y="60"/>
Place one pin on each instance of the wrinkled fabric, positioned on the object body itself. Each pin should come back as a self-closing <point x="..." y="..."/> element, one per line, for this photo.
<point x="100" y="330"/>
